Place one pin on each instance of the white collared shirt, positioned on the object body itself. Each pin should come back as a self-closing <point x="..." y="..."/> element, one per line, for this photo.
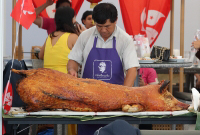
<point x="124" y="46"/>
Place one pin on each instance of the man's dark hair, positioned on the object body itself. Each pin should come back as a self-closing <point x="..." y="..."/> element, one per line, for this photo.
<point x="59" y="2"/>
<point x="63" y="19"/>
<point x="85" y="14"/>
<point x="104" y="11"/>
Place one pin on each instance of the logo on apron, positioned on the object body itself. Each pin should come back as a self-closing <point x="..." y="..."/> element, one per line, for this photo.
<point x="102" y="69"/>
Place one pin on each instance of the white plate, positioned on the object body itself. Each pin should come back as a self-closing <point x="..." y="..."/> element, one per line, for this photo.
<point x="177" y="60"/>
<point x="147" y="61"/>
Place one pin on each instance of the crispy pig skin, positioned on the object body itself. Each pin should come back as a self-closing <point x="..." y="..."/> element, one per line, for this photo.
<point x="49" y="89"/>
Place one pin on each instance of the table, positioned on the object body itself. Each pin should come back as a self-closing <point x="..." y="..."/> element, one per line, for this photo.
<point x="166" y="65"/>
<point x="131" y="120"/>
<point x="161" y="65"/>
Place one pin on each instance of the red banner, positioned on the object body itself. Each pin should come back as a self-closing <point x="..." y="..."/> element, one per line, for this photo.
<point x="3" y="128"/>
<point x="76" y="5"/>
<point x="7" y="98"/>
<point x="145" y="17"/>
<point x="24" y="13"/>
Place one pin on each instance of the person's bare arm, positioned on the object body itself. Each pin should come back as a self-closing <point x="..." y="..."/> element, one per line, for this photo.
<point x="72" y="40"/>
<point x="41" y="54"/>
<point x="197" y="76"/>
<point x="130" y="76"/>
<point x="72" y="67"/>
<point x="38" y="20"/>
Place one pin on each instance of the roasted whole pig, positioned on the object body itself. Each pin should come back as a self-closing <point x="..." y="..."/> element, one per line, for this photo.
<point x="50" y="89"/>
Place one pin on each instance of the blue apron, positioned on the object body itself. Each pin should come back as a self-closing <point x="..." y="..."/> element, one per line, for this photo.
<point x="102" y="64"/>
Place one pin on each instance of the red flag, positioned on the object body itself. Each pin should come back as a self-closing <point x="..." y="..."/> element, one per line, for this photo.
<point x="7" y="102"/>
<point x="76" y="5"/>
<point x="7" y="97"/>
<point x="3" y="128"/>
<point x="145" y="17"/>
<point x="24" y="13"/>
<point x="50" y="10"/>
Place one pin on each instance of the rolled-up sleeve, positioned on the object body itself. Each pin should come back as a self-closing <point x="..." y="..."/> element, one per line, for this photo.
<point x="45" y="24"/>
<point x="129" y="56"/>
<point x="76" y="53"/>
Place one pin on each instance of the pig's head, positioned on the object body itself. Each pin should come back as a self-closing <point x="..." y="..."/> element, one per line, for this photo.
<point x="162" y="100"/>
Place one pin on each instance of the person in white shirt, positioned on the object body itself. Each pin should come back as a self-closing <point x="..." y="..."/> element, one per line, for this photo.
<point x="108" y="45"/>
<point x="87" y="19"/>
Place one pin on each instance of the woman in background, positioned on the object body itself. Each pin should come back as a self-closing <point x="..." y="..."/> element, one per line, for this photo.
<point x="59" y="43"/>
<point x="148" y="77"/>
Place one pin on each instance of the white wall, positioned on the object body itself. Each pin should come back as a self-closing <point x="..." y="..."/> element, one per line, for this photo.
<point x="35" y="36"/>
<point x="31" y="37"/>
<point x="192" y="22"/>
<point x="4" y="29"/>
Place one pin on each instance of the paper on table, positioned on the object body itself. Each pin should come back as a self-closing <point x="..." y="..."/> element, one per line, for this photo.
<point x="195" y="99"/>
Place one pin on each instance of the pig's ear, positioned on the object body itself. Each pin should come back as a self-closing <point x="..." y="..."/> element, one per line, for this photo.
<point x="164" y="86"/>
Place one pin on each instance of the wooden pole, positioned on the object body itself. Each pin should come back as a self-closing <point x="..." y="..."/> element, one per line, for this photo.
<point x="181" y="74"/>
<point x="20" y="43"/>
<point x="13" y="29"/>
<point x="171" y="44"/>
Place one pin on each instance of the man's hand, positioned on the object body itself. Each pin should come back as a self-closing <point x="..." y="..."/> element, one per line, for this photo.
<point x="80" y="28"/>
<point x="72" y="72"/>
<point x="72" y="68"/>
<point x="49" y="2"/>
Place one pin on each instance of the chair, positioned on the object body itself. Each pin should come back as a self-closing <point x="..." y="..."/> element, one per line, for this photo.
<point x="36" y="63"/>
<point x="34" y="53"/>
